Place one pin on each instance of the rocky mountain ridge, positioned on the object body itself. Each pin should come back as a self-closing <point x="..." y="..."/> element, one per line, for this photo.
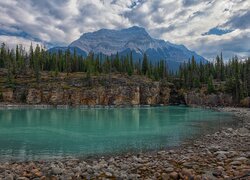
<point x="133" y="40"/>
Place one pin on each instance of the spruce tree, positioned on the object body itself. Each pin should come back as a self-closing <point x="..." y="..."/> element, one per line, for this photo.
<point x="37" y="56"/>
<point x="210" y="85"/>
<point x="3" y="54"/>
<point x="145" y="65"/>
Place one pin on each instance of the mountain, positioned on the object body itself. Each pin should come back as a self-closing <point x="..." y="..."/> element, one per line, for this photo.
<point x="134" y="39"/>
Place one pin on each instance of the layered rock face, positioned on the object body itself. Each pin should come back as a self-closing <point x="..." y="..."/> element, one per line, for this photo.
<point x="116" y="89"/>
<point x="118" y="94"/>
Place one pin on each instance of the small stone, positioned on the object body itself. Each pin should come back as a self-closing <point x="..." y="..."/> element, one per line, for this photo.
<point x="165" y="176"/>
<point x="217" y="173"/>
<point x="43" y="178"/>
<point x="171" y="152"/>
<point x="243" y="131"/>
<point x="161" y="152"/>
<point x="111" y="160"/>
<point x="26" y="174"/>
<point x="53" y="178"/>
<point x="56" y="170"/>
<point x="22" y="178"/>
<point x="125" y="167"/>
<point x="221" y="155"/>
<point x="170" y="169"/>
<point x="38" y="174"/>
<point x="213" y="148"/>
<point x="186" y="172"/>
<point x="9" y="177"/>
<point x="232" y="154"/>
<point x="174" y="175"/>
<point x="76" y="169"/>
<point x="2" y="169"/>
<point x="188" y="165"/>
<point x="108" y="174"/>
<point x="236" y="163"/>
<point x="241" y="159"/>
<point x="220" y="168"/>
<point x="221" y="152"/>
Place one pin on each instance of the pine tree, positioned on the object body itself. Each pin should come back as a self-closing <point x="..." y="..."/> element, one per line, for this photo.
<point x="37" y="57"/>
<point x="31" y="59"/>
<point x="9" y="60"/>
<point x="68" y="62"/>
<point x="2" y="55"/>
<point x="210" y="85"/>
<point x="248" y="76"/>
<point x="222" y="69"/>
<point x="145" y="66"/>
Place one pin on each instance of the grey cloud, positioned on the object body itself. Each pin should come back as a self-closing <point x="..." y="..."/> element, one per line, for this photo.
<point x="162" y="30"/>
<point x="237" y="45"/>
<point x="240" y="21"/>
<point x="59" y="23"/>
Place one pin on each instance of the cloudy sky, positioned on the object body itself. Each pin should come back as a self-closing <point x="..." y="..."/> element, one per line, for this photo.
<point x="207" y="27"/>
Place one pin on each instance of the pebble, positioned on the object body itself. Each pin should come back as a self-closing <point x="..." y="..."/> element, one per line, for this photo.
<point x="56" y="170"/>
<point x="108" y="174"/>
<point x="186" y="173"/>
<point x="221" y="156"/>
<point x="217" y="173"/>
<point x="76" y="169"/>
<point x="174" y="175"/>
<point x="165" y="176"/>
<point x="241" y="159"/>
<point x="170" y="169"/>
<point x="236" y="163"/>
<point x="243" y="131"/>
<point x="22" y="178"/>
<point x="9" y="177"/>
<point x="213" y="148"/>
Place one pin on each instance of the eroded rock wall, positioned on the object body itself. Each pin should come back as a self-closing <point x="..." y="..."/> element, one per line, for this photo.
<point x="152" y="93"/>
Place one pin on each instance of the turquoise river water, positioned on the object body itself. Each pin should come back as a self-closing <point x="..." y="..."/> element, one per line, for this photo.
<point x="32" y="134"/>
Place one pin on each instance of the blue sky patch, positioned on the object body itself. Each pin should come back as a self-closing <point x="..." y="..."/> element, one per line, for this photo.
<point x="217" y="31"/>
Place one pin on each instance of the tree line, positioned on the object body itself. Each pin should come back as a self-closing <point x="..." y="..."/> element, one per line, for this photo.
<point x="38" y="59"/>
<point x="232" y="77"/>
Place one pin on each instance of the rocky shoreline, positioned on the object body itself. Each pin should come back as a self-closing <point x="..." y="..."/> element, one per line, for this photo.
<point x="48" y="106"/>
<point x="222" y="155"/>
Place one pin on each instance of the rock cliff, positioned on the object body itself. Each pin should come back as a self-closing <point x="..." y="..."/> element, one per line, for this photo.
<point x="114" y="90"/>
<point x="117" y="91"/>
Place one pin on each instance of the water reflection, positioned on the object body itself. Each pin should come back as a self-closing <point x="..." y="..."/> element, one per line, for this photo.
<point x="35" y="134"/>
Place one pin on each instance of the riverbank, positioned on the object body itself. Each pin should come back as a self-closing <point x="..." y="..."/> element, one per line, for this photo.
<point x="224" y="155"/>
